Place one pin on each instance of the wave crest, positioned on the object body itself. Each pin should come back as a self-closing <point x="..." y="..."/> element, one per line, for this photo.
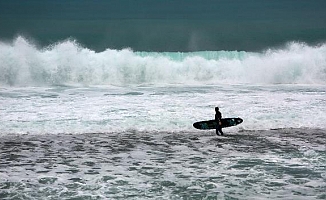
<point x="67" y="62"/>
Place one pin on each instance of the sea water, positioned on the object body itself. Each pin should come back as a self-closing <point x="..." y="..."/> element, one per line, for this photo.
<point x="118" y="124"/>
<point x="81" y="122"/>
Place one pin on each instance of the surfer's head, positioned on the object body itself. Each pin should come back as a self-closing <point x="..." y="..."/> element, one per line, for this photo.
<point x="216" y="109"/>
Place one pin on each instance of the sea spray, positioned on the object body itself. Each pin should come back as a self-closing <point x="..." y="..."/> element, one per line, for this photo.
<point x="69" y="63"/>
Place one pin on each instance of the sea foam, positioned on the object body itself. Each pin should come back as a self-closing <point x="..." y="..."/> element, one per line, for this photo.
<point x="67" y="62"/>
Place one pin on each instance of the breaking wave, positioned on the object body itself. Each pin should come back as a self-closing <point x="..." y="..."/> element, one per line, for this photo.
<point x="22" y="63"/>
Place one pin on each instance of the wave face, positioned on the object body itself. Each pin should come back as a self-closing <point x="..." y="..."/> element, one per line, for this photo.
<point x="22" y="63"/>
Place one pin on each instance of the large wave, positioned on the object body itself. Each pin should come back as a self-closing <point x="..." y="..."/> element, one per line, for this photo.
<point x="22" y="63"/>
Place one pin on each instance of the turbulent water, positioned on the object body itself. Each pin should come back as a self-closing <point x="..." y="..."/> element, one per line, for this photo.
<point x="278" y="164"/>
<point x="68" y="63"/>
<point x="98" y="100"/>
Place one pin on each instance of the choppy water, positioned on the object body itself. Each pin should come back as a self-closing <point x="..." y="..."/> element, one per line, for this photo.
<point x="62" y="109"/>
<point x="76" y="124"/>
<point x="97" y="99"/>
<point x="65" y="142"/>
<point x="275" y="164"/>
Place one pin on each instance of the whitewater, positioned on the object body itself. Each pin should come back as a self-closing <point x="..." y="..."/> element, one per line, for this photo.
<point x="68" y="63"/>
<point x="81" y="124"/>
<point x="118" y="90"/>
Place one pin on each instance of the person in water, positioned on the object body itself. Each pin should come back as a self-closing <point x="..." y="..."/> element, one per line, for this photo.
<point x="218" y="117"/>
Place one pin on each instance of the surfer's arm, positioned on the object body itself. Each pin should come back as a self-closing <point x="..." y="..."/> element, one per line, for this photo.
<point x="218" y="120"/>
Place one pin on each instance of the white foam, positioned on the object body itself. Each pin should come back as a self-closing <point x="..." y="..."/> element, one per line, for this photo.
<point x="66" y="62"/>
<point x="156" y="109"/>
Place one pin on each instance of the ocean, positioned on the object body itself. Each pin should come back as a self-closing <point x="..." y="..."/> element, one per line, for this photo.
<point x="98" y="99"/>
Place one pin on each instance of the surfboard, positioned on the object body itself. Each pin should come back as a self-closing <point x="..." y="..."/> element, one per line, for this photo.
<point x="211" y="124"/>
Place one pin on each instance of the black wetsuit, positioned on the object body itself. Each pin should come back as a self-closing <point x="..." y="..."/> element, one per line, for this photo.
<point x="218" y="117"/>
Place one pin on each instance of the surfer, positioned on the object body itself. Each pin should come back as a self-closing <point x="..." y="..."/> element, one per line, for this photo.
<point x="218" y="117"/>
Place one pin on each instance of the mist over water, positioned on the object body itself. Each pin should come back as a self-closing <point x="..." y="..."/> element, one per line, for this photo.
<point x="69" y="63"/>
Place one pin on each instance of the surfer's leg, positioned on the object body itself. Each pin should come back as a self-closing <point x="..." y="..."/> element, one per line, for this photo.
<point x="221" y="131"/>
<point x="217" y="129"/>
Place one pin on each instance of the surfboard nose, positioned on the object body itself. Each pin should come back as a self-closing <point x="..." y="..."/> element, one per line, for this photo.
<point x="239" y="121"/>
